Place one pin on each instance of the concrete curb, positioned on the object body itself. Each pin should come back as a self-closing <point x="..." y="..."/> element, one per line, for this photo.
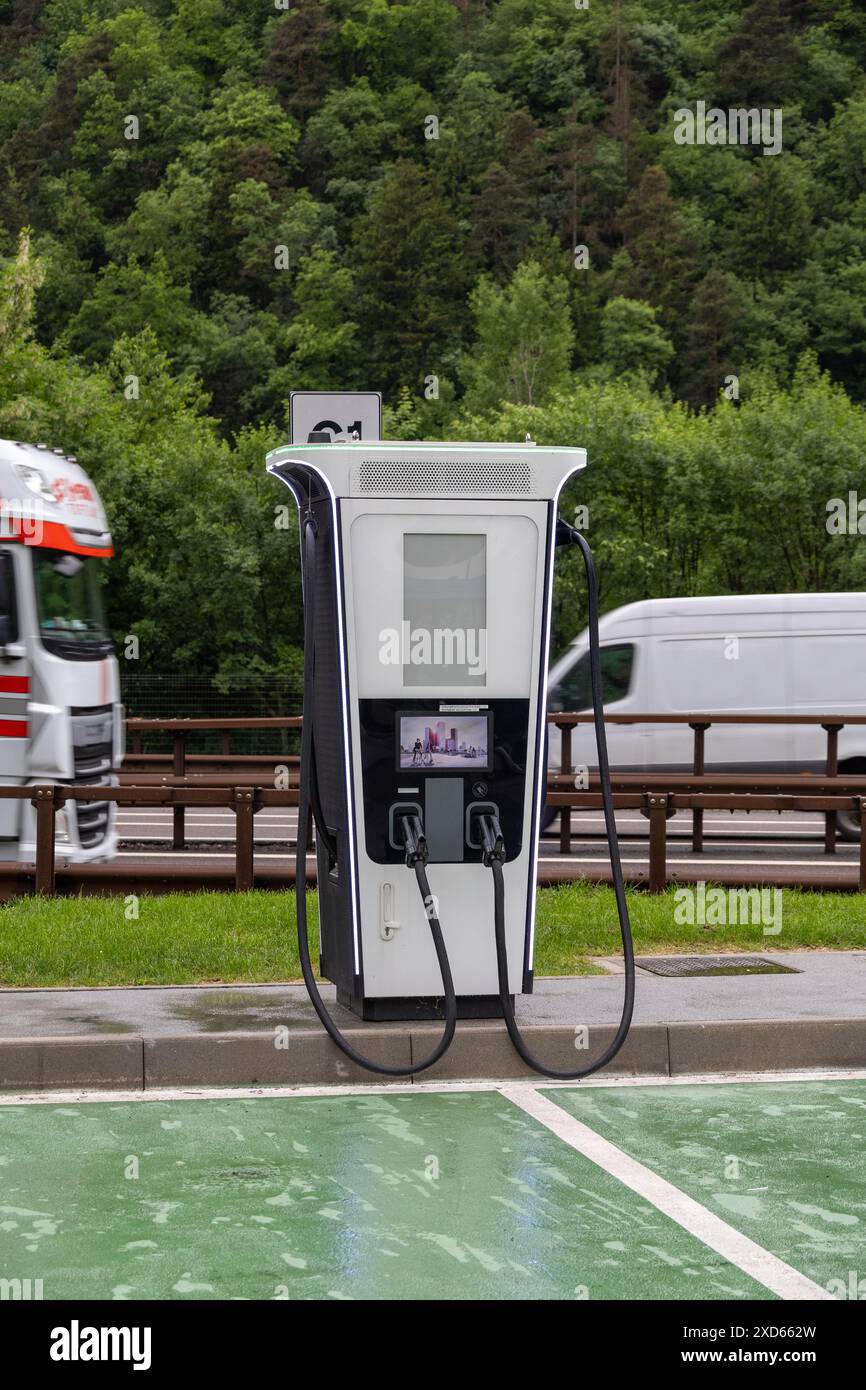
<point x="56" y="1064"/>
<point x="480" y="1051"/>
<point x="790" y="1045"/>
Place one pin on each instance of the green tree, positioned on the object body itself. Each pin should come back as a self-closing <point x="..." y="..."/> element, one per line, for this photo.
<point x="348" y="136"/>
<point x="523" y="340"/>
<point x="167" y="219"/>
<point x="127" y="299"/>
<point x="415" y="39"/>
<point x="409" y="253"/>
<point x="756" y="65"/>
<point x="323" y="342"/>
<point x="663" y="248"/>
<point x="20" y="278"/>
<point x="234" y="350"/>
<point x="716" y="336"/>
<point x="631" y="339"/>
<point x="774" y="225"/>
<point x="300" y="55"/>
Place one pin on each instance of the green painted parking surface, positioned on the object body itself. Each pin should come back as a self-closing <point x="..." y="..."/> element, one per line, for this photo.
<point x="785" y="1163"/>
<point x="424" y="1196"/>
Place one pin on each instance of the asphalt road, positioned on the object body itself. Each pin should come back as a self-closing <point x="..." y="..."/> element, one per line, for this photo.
<point x="766" y="841"/>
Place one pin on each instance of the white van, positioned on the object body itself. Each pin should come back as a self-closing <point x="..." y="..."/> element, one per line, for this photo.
<point x="750" y="653"/>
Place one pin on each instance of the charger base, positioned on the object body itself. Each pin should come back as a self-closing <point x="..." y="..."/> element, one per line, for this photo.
<point x="393" y="1010"/>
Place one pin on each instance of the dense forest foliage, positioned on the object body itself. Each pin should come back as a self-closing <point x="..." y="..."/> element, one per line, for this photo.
<point x="478" y="206"/>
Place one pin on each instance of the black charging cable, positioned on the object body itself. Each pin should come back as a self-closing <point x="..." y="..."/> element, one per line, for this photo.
<point x="413" y="839"/>
<point x="494" y="855"/>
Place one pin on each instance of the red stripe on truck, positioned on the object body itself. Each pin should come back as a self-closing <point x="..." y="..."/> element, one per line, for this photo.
<point x="52" y="535"/>
<point x="14" y="685"/>
<point x="13" y="728"/>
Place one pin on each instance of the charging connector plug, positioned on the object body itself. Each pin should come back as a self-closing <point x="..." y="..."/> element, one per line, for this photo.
<point x="492" y="840"/>
<point x="414" y="841"/>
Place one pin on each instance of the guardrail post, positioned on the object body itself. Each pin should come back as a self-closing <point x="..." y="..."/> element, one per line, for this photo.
<point x="565" y="813"/>
<point x="697" y="811"/>
<point x="46" y="800"/>
<point x="179" y="770"/>
<point x="861" y="802"/>
<point x="831" y="770"/>
<point x="657" y="805"/>
<point x="244" y="799"/>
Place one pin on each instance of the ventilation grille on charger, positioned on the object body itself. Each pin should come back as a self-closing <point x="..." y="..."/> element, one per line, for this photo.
<point x="459" y="478"/>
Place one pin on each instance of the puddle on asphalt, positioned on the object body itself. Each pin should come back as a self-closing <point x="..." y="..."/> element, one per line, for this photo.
<point x="97" y="1023"/>
<point x="235" y="1011"/>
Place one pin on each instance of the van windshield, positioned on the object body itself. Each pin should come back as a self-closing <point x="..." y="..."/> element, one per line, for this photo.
<point x="69" y="605"/>
<point x="574" y="691"/>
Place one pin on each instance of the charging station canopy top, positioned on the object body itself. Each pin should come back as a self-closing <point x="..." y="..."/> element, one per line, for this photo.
<point x="426" y="468"/>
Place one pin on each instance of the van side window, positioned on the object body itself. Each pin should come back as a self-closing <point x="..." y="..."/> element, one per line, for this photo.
<point x="8" y="606"/>
<point x="617" y="663"/>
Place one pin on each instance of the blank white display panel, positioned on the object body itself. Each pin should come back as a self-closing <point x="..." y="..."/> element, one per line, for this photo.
<point x="443" y="603"/>
<point x="445" y="608"/>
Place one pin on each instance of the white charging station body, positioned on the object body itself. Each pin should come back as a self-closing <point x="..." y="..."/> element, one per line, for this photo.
<point x="433" y="581"/>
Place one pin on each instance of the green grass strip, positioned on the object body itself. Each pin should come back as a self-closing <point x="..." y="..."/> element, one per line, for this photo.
<point x="222" y="937"/>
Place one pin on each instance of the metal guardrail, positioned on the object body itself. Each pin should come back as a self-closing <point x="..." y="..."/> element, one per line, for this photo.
<point x="656" y="797"/>
<point x="180" y="730"/>
<point x="656" y="794"/>
<point x="700" y="723"/>
<point x="245" y="801"/>
<point x="660" y="794"/>
<point x="183" y="762"/>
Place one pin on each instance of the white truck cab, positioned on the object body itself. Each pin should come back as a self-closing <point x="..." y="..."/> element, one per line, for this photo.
<point x="60" y="712"/>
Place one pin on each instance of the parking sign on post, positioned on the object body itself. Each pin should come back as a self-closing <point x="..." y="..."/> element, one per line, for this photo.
<point x="349" y="413"/>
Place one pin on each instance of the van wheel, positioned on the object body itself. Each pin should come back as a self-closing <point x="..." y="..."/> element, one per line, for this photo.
<point x="849" y="824"/>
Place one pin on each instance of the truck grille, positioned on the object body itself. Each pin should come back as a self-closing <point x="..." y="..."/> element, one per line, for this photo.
<point x="91" y="817"/>
<point x="92" y="752"/>
<point x="90" y="763"/>
<point x="92" y="823"/>
<point x="92" y="741"/>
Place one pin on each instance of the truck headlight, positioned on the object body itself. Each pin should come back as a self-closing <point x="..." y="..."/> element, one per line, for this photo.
<point x="35" y="480"/>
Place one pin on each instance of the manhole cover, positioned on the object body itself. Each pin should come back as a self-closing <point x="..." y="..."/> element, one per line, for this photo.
<point x="712" y="965"/>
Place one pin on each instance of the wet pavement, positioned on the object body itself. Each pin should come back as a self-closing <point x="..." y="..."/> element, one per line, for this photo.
<point x="822" y="985"/>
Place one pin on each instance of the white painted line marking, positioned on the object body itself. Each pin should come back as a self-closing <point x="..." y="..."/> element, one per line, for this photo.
<point x="683" y="818"/>
<point x="715" y="861"/>
<point x="196" y="820"/>
<point x="170" y="855"/>
<point x="180" y="1093"/>
<point x="193" y="815"/>
<point x="737" y="1249"/>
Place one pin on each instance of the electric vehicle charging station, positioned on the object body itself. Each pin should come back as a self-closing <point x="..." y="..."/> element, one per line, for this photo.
<point x="427" y="577"/>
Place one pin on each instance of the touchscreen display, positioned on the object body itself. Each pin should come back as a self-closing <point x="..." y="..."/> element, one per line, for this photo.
<point x="443" y="742"/>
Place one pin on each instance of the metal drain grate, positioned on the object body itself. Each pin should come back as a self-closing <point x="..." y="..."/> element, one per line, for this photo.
<point x="712" y="965"/>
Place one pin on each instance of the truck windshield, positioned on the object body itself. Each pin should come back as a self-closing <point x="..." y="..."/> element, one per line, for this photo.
<point x="69" y="605"/>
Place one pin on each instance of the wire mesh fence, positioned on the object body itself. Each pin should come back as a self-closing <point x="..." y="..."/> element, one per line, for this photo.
<point x="172" y="696"/>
